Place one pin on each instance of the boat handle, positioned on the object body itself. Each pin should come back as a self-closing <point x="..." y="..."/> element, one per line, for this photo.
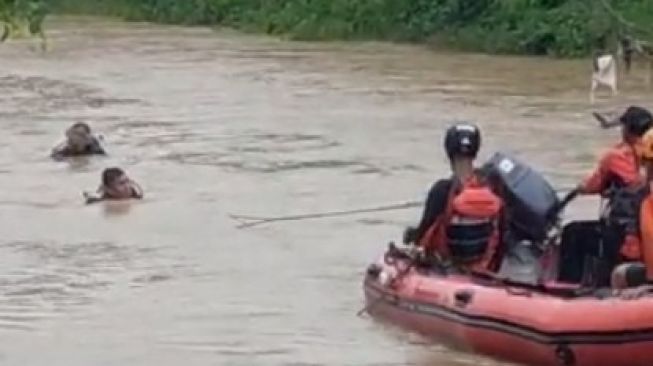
<point x="463" y="298"/>
<point x="564" y="355"/>
<point x="519" y="292"/>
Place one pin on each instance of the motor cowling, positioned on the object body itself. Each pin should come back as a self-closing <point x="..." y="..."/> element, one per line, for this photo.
<point x="530" y="201"/>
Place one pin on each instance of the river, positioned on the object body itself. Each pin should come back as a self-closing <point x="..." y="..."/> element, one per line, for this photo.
<point x="213" y="123"/>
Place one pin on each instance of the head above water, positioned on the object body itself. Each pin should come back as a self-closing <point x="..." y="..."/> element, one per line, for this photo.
<point x="116" y="184"/>
<point x="79" y="135"/>
<point x="81" y="126"/>
<point x="111" y="175"/>
<point x="635" y="122"/>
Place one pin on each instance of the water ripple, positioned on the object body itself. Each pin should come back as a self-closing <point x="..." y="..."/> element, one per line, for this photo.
<point x="27" y="95"/>
<point x="57" y="278"/>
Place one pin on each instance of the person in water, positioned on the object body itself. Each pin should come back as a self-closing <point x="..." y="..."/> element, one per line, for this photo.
<point x="116" y="185"/>
<point x="79" y="141"/>
<point x="618" y="179"/>
<point x="641" y="271"/>
<point x="461" y="217"/>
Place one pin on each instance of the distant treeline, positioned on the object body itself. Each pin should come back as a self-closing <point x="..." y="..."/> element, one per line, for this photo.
<point x="537" y="27"/>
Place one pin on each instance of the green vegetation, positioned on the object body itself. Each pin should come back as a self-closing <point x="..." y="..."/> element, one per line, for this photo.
<point x="23" y="18"/>
<point x="539" y="27"/>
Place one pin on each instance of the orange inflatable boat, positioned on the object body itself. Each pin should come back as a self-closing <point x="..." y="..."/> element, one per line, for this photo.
<point x="530" y="325"/>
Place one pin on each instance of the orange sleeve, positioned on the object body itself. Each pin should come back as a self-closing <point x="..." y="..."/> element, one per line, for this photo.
<point x="597" y="181"/>
<point x="646" y="228"/>
<point x="623" y="163"/>
<point x="620" y="162"/>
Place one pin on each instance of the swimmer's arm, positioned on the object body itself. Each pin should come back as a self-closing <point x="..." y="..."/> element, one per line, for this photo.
<point x="91" y="199"/>
<point x="60" y="151"/>
<point x="96" y="147"/>
<point x="137" y="191"/>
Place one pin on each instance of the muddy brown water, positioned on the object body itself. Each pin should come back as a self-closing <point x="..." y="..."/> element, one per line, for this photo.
<point x="215" y="122"/>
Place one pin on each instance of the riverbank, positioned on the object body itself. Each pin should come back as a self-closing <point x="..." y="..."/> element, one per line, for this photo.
<point x="564" y="28"/>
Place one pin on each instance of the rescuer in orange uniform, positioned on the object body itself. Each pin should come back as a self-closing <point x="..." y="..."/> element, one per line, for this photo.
<point x="638" y="273"/>
<point x="618" y="179"/>
<point x="461" y="216"/>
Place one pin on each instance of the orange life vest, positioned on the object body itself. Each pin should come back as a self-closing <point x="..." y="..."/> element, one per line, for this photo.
<point x="622" y="183"/>
<point x="646" y="230"/>
<point x="468" y="231"/>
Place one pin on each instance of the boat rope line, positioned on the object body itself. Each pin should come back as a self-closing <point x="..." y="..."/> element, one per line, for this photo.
<point x="504" y="326"/>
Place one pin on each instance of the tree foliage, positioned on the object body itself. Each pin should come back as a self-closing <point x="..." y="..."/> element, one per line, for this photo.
<point x="540" y="27"/>
<point x="23" y="18"/>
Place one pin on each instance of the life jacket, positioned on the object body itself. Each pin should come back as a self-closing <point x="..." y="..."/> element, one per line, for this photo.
<point x="468" y="231"/>
<point x="623" y="211"/>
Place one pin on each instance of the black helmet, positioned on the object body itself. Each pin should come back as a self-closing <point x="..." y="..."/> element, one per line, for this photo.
<point x="636" y="120"/>
<point x="462" y="139"/>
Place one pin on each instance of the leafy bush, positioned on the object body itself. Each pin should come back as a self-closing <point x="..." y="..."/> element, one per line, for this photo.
<point x="540" y="27"/>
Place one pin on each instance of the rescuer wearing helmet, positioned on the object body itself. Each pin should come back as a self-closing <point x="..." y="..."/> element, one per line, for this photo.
<point x="460" y="222"/>
<point x="618" y="179"/>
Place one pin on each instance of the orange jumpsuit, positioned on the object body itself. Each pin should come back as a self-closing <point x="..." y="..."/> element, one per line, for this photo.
<point x="618" y="166"/>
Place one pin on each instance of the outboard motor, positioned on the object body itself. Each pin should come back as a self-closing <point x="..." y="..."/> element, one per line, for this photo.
<point x="530" y="200"/>
<point x="531" y="206"/>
